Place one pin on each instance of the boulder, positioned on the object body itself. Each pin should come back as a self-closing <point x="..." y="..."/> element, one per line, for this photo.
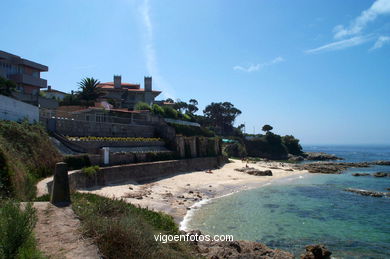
<point x="320" y="156"/>
<point x="254" y="171"/>
<point x="368" y="193"/>
<point x="382" y="174"/>
<point x="316" y="252"/>
<point x="360" y="174"/>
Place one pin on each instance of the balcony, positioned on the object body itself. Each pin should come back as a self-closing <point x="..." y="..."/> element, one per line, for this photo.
<point x="28" y="80"/>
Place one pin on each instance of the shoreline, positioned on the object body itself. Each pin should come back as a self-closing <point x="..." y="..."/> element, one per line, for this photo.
<point x="182" y="194"/>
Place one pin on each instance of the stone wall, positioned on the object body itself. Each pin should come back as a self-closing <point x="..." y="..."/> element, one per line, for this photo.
<point x="78" y="128"/>
<point x="190" y="147"/>
<point x="141" y="172"/>
<point x="95" y="146"/>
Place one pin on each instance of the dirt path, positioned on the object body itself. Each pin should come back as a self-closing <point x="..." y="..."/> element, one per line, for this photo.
<point x="58" y="236"/>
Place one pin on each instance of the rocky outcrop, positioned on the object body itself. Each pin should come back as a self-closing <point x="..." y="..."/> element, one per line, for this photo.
<point x="360" y="174"/>
<point x="338" y="167"/>
<point x="368" y="193"/>
<point x="320" y="156"/>
<point x="316" y="252"/>
<point x="254" y="171"/>
<point x="382" y="174"/>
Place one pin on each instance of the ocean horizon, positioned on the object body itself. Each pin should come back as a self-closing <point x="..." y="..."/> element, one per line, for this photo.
<point x="294" y="212"/>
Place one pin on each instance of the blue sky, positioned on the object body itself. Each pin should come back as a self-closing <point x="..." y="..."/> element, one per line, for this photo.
<point x="316" y="69"/>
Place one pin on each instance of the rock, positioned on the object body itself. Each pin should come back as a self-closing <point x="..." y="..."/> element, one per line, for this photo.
<point x="382" y="174"/>
<point x="382" y="162"/>
<point x="368" y="193"/>
<point x="360" y="174"/>
<point x="320" y="156"/>
<point x="331" y="167"/>
<point x="388" y="189"/>
<point x="190" y="192"/>
<point x="289" y="170"/>
<point x="294" y="158"/>
<point x="240" y="249"/>
<point x="316" y="252"/>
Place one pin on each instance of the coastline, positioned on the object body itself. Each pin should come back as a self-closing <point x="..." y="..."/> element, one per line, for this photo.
<point x="180" y="195"/>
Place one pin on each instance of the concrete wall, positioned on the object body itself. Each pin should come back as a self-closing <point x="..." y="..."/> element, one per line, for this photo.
<point x="14" y="110"/>
<point x="83" y="128"/>
<point x="95" y="146"/>
<point x="141" y="172"/>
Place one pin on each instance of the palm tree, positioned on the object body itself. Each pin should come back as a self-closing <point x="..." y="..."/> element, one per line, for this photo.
<point x="89" y="90"/>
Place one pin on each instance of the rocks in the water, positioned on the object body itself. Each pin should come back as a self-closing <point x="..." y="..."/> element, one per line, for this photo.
<point x="254" y="171"/>
<point x="294" y="158"/>
<point x="360" y="174"/>
<point x="382" y="174"/>
<point x="316" y="252"/>
<point x="320" y="156"/>
<point x="240" y="249"/>
<point x="368" y="193"/>
<point x="336" y="167"/>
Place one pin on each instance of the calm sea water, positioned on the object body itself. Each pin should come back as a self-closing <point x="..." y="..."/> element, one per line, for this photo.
<point x="294" y="212"/>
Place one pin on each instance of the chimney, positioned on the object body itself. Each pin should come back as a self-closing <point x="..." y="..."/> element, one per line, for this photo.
<point x="148" y="83"/>
<point x="117" y="82"/>
<point x="49" y="88"/>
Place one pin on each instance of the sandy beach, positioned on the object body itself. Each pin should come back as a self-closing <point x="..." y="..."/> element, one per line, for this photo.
<point x="176" y="195"/>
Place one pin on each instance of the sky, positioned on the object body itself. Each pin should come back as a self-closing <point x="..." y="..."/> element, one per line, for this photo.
<point x="319" y="70"/>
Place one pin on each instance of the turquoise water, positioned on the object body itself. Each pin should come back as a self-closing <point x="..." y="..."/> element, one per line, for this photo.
<point x="295" y="212"/>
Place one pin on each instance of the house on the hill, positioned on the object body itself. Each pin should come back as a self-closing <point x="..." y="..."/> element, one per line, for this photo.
<point x="125" y="95"/>
<point x="53" y="93"/>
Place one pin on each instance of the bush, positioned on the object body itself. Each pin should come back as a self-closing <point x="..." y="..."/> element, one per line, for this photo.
<point x="26" y="155"/>
<point x="234" y="150"/>
<point x="157" y="110"/>
<point x="141" y="106"/>
<point x="122" y="230"/>
<point x="267" y="146"/>
<point x="292" y="145"/>
<point x="170" y="112"/>
<point x="91" y="170"/>
<point x="77" y="161"/>
<point x="16" y="231"/>
<point x="160" y="156"/>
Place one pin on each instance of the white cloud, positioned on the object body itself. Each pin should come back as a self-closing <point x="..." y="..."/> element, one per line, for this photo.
<point x="257" y="67"/>
<point x="338" y="45"/>
<point x="380" y="42"/>
<point x="379" y="7"/>
<point x="150" y="53"/>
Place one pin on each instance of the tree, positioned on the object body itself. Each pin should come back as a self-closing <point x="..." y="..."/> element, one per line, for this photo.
<point x="292" y="145"/>
<point x="169" y="100"/>
<point x="142" y="106"/>
<point x="89" y="90"/>
<point x="267" y="128"/>
<point x="180" y="106"/>
<point x="222" y="116"/>
<point x="192" y="106"/>
<point x="6" y="86"/>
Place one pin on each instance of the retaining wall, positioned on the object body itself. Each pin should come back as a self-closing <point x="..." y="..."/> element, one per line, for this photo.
<point x="141" y="172"/>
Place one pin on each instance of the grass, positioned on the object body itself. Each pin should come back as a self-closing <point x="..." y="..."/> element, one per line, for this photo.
<point x="122" y="230"/>
<point x="90" y="170"/>
<point x="26" y="155"/>
<point x="16" y="231"/>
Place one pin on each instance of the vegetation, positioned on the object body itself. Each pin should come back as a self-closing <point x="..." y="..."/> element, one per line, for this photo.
<point x="90" y="170"/>
<point x="122" y="230"/>
<point x="157" y="110"/>
<point x="75" y="162"/>
<point x="26" y="155"/>
<point x="7" y="87"/>
<point x="142" y="106"/>
<point x="187" y="130"/>
<point x="268" y="146"/>
<point x="221" y="116"/>
<point x="169" y="112"/>
<point x="267" y="128"/>
<point x="89" y="90"/>
<point x="16" y="231"/>
<point x="292" y="145"/>
<point x="236" y="149"/>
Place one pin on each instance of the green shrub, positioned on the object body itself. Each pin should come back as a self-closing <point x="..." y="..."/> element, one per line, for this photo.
<point x="234" y="150"/>
<point x="156" y="109"/>
<point x="16" y="231"/>
<point x="170" y="112"/>
<point x="77" y="161"/>
<point x="292" y="145"/>
<point x="91" y="170"/>
<point x="160" y="156"/>
<point x="141" y="106"/>
<point x="122" y="230"/>
<point x="26" y="155"/>
<point x="267" y="146"/>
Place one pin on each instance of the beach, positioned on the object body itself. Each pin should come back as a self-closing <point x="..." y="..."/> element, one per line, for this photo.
<point x="179" y="194"/>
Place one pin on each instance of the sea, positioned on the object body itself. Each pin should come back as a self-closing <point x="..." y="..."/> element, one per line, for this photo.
<point x="311" y="209"/>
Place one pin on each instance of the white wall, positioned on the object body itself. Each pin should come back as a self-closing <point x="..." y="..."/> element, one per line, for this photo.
<point x="14" y="110"/>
